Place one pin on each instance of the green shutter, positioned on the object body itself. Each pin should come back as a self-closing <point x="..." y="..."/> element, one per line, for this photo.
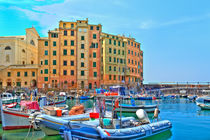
<point x="46" y="43"/>
<point x="94" y="55"/>
<point x="54" y="62"/>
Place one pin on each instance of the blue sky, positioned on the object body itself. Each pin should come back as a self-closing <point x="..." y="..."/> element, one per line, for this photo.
<point x="174" y="35"/>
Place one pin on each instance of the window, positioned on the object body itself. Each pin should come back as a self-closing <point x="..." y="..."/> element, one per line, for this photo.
<point x="54" y="35"/>
<point x="110" y="50"/>
<point x="114" y="77"/>
<point x="32" y="42"/>
<point x="33" y="73"/>
<point x="65" y="42"/>
<point x="64" y="72"/>
<point x="54" y="53"/>
<point x="45" y="71"/>
<point x="94" y="54"/>
<point x="82" y="64"/>
<point x="72" y="33"/>
<point x="132" y="52"/>
<point x="54" y="71"/>
<point x="95" y="74"/>
<point x="110" y="68"/>
<point x="90" y="85"/>
<point x="7" y="48"/>
<point x="72" y="52"/>
<point x="72" y="72"/>
<point x="65" y="63"/>
<point x="54" y="62"/>
<point x="26" y="74"/>
<point x="118" y="43"/>
<point x="82" y="55"/>
<point x="91" y="27"/>
<point x="110" y="41"/>
<point x="128" y="61"/>
<point x="65" y="33"/>
<point x="46" y="62"/>
<point x="18" y="74"/>
<point x="128" y="51"/>
<point x="128" y="42"/>
<point x="131" y="43"/>
<point x="94" y="36"/>
<point x="64" y="52"/>
<point x="45" y="79"/>
<point x="45" y="52"/>
<point x="110" y="59"/>
<point x="82" y="73"/>
<point x="41" y="62"/>
<point x="72" y="42"/>
<point x="121" y="61"/>
<point x="114" y="42"/>
<point x="98" y="28"/>
<point x="118" y="51"/>
<point x="8" y="74"/>
<point x="123" y="44"/>
<point x="82" y="37"/>
<point x="54" y="43"/>
<point x="41" y="71"/>
<point x="64" y="25"/>
<point x="110" y="77"/>
<point x="25" y="83"/>
<point x="82" y="46"/>
<point x="72" y="25"/>
<point x="94" y="64"/>
<point x="114" y="51"/>
<point x="46" y="43"/>
<point x="114" y="68"/>
<point x="72" y="63"/>
<point x="114" y="59"/>
<point x="119" y="69"/>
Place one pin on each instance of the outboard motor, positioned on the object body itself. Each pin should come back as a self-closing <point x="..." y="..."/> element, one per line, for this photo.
<point x="143" y="117"/>
<point x="33" y="120"/>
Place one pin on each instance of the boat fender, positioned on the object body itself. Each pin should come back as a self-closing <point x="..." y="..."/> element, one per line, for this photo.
<point x="102" y="133"/>
<point x="156" y="112"/>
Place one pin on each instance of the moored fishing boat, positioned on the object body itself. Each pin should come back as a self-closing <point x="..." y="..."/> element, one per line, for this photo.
<point x="18" y="118"/>
<point x="203" y="102"/>
<point x="8" y="98"/>
<point x="133" y="108"/>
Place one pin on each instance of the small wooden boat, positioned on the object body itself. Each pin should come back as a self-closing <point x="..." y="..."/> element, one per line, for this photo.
<point x="132" y="109"/>
<point x="146" y="98"/>
<point x="203" y="102"/>
<point x="18" y="118"/>
<point x="8" y="98"/>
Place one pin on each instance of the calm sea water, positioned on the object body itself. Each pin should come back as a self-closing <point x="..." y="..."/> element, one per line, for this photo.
<point x="189" y="122"/>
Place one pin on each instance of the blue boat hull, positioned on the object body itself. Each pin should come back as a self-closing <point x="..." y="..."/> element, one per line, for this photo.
<point x="81" y="131"/>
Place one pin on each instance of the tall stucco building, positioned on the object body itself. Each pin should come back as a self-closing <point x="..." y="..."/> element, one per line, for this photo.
<point x="122" y="60"/>
<point x="19" y="59"/>
<point x="70" y="56"/>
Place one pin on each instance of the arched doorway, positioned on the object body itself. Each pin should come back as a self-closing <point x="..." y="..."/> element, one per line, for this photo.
<point x="9" y="82"/>
<point x="33" y="83"/>
<point x="1" y="83"/>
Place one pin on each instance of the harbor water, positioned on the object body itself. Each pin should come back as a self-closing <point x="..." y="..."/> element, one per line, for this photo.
<point x="189" y="122"/>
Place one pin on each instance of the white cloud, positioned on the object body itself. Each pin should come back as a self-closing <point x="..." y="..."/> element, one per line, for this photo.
<point x="152" y="24"/>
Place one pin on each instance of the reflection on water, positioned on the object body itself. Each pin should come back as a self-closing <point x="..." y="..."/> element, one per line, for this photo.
<point x="187" y="121"/>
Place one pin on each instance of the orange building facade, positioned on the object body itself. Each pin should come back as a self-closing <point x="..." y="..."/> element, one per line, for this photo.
<point x="69" y="57"/>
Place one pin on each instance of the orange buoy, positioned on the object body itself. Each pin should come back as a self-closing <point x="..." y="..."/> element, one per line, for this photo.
<point x="59" y="112"/>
